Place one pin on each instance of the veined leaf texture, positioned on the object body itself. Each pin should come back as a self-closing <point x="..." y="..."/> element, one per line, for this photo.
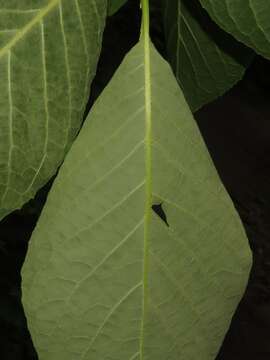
<point x="105" y="277"/>
<point x="48" y="55"/>
<point x="247" y="20"/>
<point x="206" y="61"/>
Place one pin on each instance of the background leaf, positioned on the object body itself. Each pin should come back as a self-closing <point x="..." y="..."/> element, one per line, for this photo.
<point x="114" y="5"/>
<point x="48" y="56"/>
<point x="207" y="62"/>
<point x="105" y="276"/>
<point x="247" y="20"/>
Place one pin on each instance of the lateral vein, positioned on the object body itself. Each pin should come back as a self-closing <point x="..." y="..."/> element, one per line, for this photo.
<point x="10" y="124"/>
<point x="46" y="108"/>
<point x="20" y="34"/>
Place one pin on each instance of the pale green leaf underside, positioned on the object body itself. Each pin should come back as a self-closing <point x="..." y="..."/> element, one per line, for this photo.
<point x="48" y="55"/>
<point x="247" y="20"/>
<point x="102" y="282"/>
<point x="115" y="5"/>
<point x="206" y="62"/>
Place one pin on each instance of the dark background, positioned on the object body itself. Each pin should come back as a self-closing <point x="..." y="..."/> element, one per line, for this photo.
<point x="236" y="129"/>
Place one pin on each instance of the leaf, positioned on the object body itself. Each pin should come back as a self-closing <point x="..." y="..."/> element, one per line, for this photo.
<point x="115" y="5"/>
<point x="105" y="276"/>
<point x="247" y="20"/>
<point x="207" y="62"/>
<point x="48" y="56"/>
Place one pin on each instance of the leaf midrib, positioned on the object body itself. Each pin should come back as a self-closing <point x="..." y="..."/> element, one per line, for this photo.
<point x="148" y="163"/>
<point x="21" y="33"/>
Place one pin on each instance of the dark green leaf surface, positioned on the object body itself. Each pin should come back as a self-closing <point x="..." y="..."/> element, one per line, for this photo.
<point x="206" y="61"/>
<point x="48" y="55"/>
<point x="114" y="5"/>
<point x="105" y="277"/>
<point x="247" y="20"/>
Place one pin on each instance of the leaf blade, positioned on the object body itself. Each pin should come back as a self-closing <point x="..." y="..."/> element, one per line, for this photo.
<point x="206" y="61"/>
<point x="115" y="5"/>
<point x="46" y="64"/>
<point x="247" y="21"/>
<point x="93" y="234"/>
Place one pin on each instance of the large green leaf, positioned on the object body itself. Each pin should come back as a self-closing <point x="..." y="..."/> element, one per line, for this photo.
<point x="48" y="55"/>
<point x="105" y="277"/>
<point x="247" y="20"/>
<point x="115" y="5"/>
<point x="206" y="61"/>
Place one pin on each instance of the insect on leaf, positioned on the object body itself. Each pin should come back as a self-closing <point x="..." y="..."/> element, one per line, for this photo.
<point x="139" y="253"/>
<point x="48" y="55"/>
